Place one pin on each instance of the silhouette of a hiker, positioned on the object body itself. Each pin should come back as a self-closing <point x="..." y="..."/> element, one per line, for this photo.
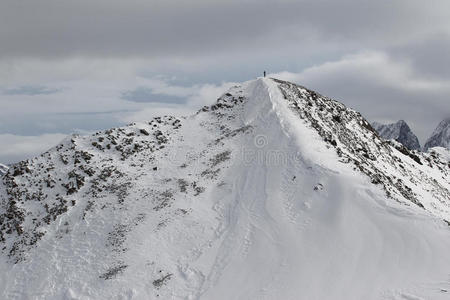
<point x="264" y="73"/>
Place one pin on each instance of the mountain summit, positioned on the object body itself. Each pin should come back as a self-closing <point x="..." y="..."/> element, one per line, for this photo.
<point x="440" y="136"/>
<point x="398" y="131"/>
<point x="273" y="192"/>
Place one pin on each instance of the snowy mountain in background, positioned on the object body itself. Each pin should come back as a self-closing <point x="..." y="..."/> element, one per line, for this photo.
<point x="274" y="192"/>
<point x="3" y="169"/>
<point x="440" y="136"/>
<point x="399" y="132"/>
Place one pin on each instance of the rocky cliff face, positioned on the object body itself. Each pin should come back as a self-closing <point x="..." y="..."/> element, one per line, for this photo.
<point x="268" y="193"/>
<point x="440" y="136"/>
<point x="400" y="132"/>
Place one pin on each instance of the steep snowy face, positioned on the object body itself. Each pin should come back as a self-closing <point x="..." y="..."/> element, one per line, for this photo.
<point x="3" y="169"/>
<point x="273" y="192"/>
<point x="399" y="132"/>
<point x="388" y="163"/>
<point x="440" y="136"/>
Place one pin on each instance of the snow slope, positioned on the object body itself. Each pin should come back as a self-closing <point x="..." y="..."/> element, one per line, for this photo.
<point x="398" y="131"/>
<point x="443" y="153"/>
<point x="440" y="136"/>
<point x="274" y="192"/>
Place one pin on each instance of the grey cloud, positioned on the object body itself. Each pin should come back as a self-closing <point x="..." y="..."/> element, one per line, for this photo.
<point x="38" y="124"/>
<point x="31" y="90"/>
<point x="49" y="28"/>
<point x="146" y="95"/>
<point x="22" y="147"/>
<point x="429" y="55"/>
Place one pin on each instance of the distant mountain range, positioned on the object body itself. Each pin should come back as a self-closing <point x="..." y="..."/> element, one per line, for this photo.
<point x="400" y="132"/>
<point x="440" y="136"/>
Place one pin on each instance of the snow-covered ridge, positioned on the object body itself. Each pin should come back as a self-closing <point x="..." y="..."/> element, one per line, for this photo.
<point x="271" y="191"/>
<point x="399" y="132"/>
<point x="440" y="136"/>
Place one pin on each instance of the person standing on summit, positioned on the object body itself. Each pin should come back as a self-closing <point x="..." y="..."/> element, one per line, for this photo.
<point x="264" y="73"/>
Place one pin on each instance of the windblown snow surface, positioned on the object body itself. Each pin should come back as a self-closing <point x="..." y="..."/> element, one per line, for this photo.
<point x="274" y="192"/>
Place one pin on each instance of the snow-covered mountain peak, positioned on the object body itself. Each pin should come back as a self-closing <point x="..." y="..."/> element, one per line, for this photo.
<point x="268" y="193"/>
<point x="440" y="136"/>
<point x="400" y="132"/>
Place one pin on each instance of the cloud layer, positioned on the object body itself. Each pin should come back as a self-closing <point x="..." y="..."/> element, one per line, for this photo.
<point x="30" y="90"/>
<point x="14" y="148"/>
<point x="50" y="28"/>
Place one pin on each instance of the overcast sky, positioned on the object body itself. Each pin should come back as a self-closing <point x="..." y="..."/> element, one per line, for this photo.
<point x="84" y="65"/>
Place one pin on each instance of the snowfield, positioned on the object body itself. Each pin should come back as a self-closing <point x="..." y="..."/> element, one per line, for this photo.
<point x="274" y="192"/>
